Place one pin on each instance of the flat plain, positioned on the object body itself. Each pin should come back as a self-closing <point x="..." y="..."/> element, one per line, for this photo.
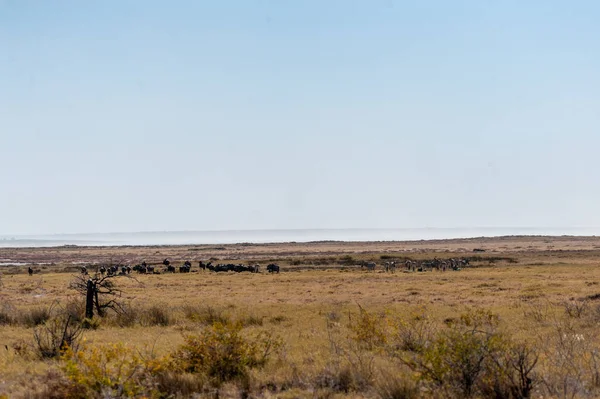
<point x="538" y="289"/>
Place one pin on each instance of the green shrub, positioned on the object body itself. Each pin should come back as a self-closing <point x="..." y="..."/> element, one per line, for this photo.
<point x="455" y="359"/>
<point x="109" y="371"/>
<point x="223" y="354"/>
<point x="90" y="324"/>
<point x="414" y="334"/>
<point x="368" y="330"/>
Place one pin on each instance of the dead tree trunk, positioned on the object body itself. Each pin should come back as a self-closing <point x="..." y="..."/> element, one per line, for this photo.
<point x="89" y="299"/>
<point x="98" y="308"/>
<point x="100" y="294"/>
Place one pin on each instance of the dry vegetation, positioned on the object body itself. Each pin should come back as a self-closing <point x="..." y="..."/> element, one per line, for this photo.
<point x="521" y="321"/>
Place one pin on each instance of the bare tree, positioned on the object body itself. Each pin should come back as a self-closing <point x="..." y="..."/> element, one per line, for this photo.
<point x="100" y="294"/>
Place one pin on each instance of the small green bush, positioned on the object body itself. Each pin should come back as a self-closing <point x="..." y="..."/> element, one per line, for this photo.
<point x="113" y="371"/>
<point x="223" y="354"/>
<point x="368" y="330"/>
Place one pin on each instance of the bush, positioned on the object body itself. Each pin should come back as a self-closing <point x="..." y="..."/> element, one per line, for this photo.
<point x="207" y="315"/>
<point x="128" y="315"/>
<point x="571" y="362"/>
<point x="397" y="386"/>
<point x="36" y="316"/>
<point x="7" y="314"/>
<point x="109" y="371"/>
<point x="90" y="324"/>
<point x="57" y="335"/>
<point x="251" y="320"/>
<point x="52" y="385"/>
<point x="576" y="309"/>
<point x="335" y="378"/>
<point x="414" y="334"/>
<point x="157" y="315"/>
<point x="223" y="354"/>
<point x="457" y="358"/>
<point x="511" y="375"/>
<point x="179" y="384"/>
<point x="368" y="330"/>
<point x="76" y="309"/>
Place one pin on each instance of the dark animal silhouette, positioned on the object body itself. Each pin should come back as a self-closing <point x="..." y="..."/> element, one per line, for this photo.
<point x="273" y="268"/>
<point x="368" y="265"/>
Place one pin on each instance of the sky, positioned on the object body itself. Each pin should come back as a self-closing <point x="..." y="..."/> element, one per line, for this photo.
<point x="124" y="116"/>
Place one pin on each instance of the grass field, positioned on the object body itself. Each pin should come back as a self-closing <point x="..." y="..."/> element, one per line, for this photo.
<point x="335" y="330"/>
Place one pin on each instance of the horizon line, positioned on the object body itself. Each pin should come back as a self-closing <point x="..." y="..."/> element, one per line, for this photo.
<point x="2" y="235"/>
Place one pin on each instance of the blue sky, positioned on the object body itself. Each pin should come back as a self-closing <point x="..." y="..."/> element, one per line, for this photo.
<point x="198" y="115"/>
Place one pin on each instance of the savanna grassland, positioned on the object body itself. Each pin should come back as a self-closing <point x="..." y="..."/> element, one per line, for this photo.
<point x="521" y="321"/>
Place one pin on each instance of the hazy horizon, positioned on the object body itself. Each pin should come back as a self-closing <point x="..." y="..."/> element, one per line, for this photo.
<point x="279" y="236"/>
<point x="475" y="228"/>
<point x="218" y="116"/>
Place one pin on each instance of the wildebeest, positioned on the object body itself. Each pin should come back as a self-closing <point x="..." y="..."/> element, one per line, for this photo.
<point x="205" y="266"/>
<point x="143" y="268"/>
<point x="30" y="271"/>
<point x="185" y="268"/>
<point x="273" y="268"/>
<point x="84" y="270"/>
<point x="220" y="268"/>
<point x="368" y="265"/>
<point x="243" y="268"/>
<point x="102" y="270"/>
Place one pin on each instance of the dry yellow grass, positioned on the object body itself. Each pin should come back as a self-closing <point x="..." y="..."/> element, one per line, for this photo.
<point x="298" y="303"/>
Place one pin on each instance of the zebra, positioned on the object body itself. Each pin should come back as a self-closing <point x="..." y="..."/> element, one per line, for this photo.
<point x="390" y="266"/>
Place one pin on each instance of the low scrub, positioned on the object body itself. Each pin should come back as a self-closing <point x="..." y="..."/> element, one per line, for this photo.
<point x="56" y="336"/>
<point x="36" y="316"/>
<point x="223" y="354"/>
<point x="207" y="315"/>
<point x="157" y="315"/>
<point x="8" y="314"/>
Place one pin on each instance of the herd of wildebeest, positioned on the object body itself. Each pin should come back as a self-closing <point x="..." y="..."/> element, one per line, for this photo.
<point x="186" y="267"/>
